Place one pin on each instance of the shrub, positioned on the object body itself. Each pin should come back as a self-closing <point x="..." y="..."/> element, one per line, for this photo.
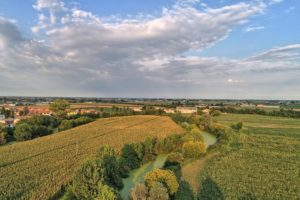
<point x="184" y="192"/>
<point x="216" y="113"/>
<point x="2" y="138"/>
<point x="158" y="192"/>
<point x="65" y="125"/>
<point x="237" y="127"/>
<point x="23" y="132"/>
<point x="82" y="120"/>
<point x="108" y="167"/>
<point x="139" y="192"/>
<point x="87" y="181"/>
<point x="193" y="149"/>
<point x="166" y="177"/>
<point x="128" y="160"/>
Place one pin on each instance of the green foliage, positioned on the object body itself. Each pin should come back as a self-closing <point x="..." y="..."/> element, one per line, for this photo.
<point x="65" y="125"/>
<point x="106" y="193"/>
<point x="237" y="127"/>
<point x="108" y="167"/>
<point x="130" y="158"/>
<point x="184" y="192"/>
<point x="278" y="113"/>
<point x="87" y="181"/>
<point x="193" y="149"/>
<point x="59" y="108"/>
<point x="71" y="123"/>
<point x="97" y="178"/>
<point x="269" y="163"/>
<point x="23" y="132"/>
<point x="158" y="192"/>
<point x="168" y="144"/>
<point x="42" y="165"/>
<point x="165" y="177"/>
<point x="216" y="113"/>
<point x="210" y="190"/>
<point x="149" y="145"/>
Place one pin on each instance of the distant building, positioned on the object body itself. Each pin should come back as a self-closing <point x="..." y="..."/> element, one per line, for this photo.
<point x="2" y="117"/>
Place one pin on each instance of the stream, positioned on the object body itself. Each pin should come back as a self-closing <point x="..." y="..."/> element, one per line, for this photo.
<point x="137" y="175"/>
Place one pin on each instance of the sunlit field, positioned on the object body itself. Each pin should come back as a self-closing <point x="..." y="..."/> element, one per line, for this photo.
<point x="38" y="168"/>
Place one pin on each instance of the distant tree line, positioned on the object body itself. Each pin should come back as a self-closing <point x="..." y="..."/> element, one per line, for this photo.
<point x="279" y="113"/>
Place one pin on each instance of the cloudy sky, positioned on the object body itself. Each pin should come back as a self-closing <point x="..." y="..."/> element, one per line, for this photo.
<point x="158" y="48"/>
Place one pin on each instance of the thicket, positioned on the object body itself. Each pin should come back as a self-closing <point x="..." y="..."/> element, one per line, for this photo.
<point x="279" y="113"/>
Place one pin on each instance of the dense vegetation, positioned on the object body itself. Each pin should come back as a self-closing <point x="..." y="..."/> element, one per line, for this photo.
<point x="36" y="169"/>
<point x="280" y="113"/>
<point x="40" y="125"/>
<point x="260" y="162"/>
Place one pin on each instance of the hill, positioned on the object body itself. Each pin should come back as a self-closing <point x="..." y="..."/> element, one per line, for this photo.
<point x="38" y="168"/>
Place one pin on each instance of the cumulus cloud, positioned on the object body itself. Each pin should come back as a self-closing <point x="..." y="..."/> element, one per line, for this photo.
<point x="84" y="55"/>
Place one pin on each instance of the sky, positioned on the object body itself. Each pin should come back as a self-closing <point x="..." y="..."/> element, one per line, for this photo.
<point x="219" y="49"/>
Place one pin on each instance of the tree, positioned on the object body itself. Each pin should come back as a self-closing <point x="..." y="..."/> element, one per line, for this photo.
<point x="166" y="177"/>
<point x="193" y="149"/>
<point x="139" y="192"/>
<point x="129" y="157"/>
<point x="106" y="193"/>
<point x="59" y="108"/>
<point x="65" y="125"/>
<point x="158" y="192"/>
<point x="23" y="132"/>
<point x="87" y="181"/>
<point x="108" y="167"/>
<point x="184" y="192"/>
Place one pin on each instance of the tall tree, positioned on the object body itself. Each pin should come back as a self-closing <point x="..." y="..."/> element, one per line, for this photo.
<point x="59" y="107"/>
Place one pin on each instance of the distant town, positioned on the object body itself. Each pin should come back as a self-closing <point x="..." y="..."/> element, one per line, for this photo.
<point x="14" y="109"/>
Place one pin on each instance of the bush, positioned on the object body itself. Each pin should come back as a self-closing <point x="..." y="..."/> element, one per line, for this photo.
<point x="23" y="132"/>
<point x="40" y="131"/>
<point x="139" y="192"/>
<point x="65" y="125"/>
<point x="184" y="192"/>
<point x="2" y="137"/>
<point x="165" y="177"/>
<point x="82" y="120"/>
<point x="158" y="192"/>
<point x="128" y="160"/>
<point x="216" y="113"/>
<point x="168" y="144"/>
<point x="237" y="127"/>
<point x="193" y="149"/>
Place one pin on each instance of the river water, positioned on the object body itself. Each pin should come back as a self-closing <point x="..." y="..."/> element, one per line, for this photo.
<point x="137" y="175"/>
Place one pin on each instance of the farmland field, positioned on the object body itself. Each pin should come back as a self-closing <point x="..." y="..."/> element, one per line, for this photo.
<point x="263" y="163"/>
<point x="38" y="168"/>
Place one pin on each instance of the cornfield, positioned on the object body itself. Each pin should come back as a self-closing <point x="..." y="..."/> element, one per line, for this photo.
<point x="38" y="168"/>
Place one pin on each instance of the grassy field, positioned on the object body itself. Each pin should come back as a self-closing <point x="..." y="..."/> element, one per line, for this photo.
<point x="263" y="163"/>
<point x="38" y="168"/>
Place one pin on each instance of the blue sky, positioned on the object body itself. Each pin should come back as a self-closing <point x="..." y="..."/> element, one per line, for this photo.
<point x="157" y="48"/>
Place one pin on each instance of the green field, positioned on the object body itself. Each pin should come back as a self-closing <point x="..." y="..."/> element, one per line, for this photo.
<point x="262" y="162"/>
<point x="37" y="169"/>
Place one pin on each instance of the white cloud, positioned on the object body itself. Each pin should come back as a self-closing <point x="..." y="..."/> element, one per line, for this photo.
<point x="253" y="28"/>
<point x="84" y="55"/>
